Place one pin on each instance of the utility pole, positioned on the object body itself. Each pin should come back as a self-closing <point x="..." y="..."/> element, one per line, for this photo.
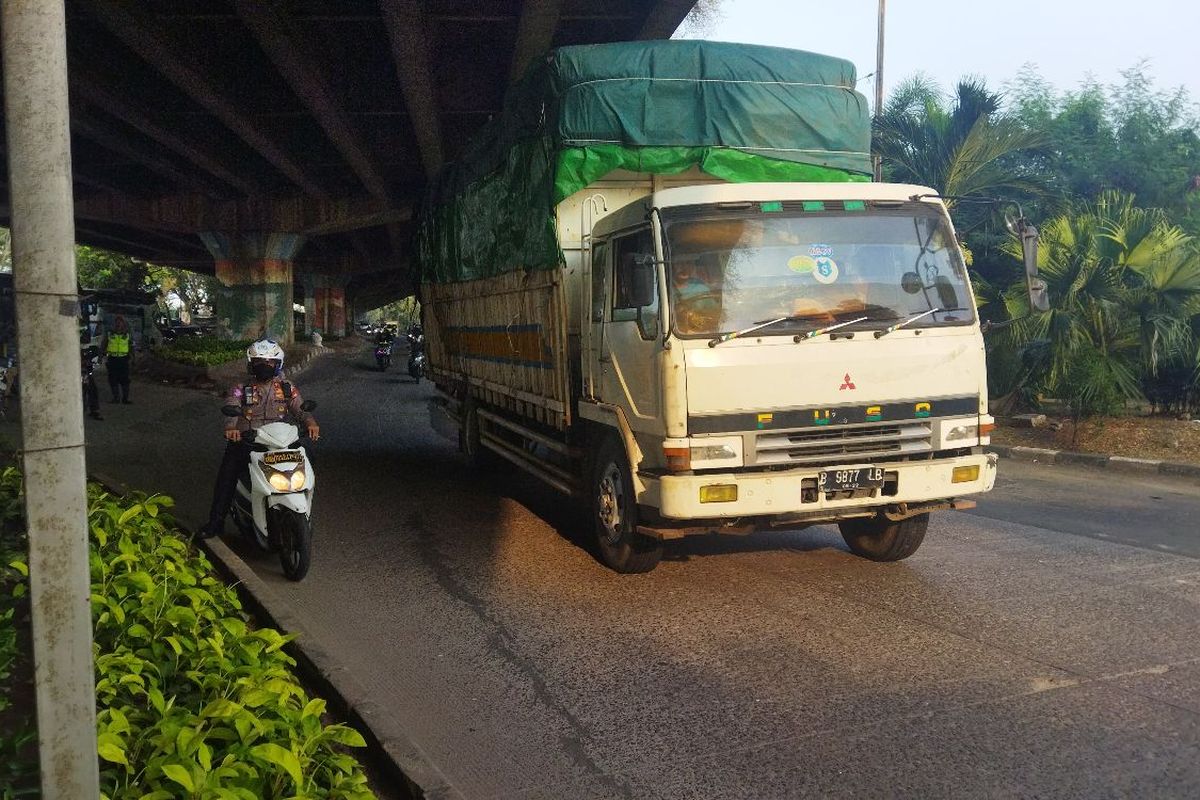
<point x="33" y="38"/>
<point x="879" y="84"/>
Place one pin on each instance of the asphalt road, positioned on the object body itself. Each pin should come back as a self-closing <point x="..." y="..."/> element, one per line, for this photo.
<point x="1023" y="651"/>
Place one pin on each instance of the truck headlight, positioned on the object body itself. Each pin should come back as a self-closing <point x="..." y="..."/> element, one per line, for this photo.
<point x="712" y="452"/>
<point x="716" y="453"/>
<point x="955" y="433"/>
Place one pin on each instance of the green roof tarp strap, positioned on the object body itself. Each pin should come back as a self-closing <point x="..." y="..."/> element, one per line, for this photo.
<point x="741" y="113"/>
<point x="579" y="166"/>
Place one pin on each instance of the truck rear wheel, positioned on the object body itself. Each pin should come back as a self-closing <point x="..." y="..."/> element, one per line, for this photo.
<point x="480" y="457"/>
<point x="614" y="515"/>
<point x="880" y="539"/>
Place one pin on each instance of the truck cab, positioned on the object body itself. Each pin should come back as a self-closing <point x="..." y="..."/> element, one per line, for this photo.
<point x="787" y="354"/>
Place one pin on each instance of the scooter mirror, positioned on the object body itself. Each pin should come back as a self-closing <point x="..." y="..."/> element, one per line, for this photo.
<point x="308" y="405"/>
<point x="231" y="411"/>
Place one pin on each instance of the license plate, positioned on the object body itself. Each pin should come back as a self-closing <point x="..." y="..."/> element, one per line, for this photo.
<point x="846" y="480"/>
<point x="282" y="457"/>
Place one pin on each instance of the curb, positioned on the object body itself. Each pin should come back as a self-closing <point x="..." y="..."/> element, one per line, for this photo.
<point x="404" y="764"/>
<point x="1143" y="466"/>
<point x="307" y="361"/>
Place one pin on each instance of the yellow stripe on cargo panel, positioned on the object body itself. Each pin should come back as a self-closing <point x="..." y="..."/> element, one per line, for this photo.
<point x="519" y="344"/>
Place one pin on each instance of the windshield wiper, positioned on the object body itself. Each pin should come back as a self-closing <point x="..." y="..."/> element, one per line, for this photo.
<point x="908" y="321"/>
<point x="803" y="337"/>
<point x="725" y="337"/>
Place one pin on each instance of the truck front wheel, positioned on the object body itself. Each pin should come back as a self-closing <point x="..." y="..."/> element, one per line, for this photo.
<point x="614" y="514"/>
<point x="880" y="539"/>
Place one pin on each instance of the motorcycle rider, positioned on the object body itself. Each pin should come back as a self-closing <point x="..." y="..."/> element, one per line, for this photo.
<point x="384" y="337"/>
<point x="266" y="398"/>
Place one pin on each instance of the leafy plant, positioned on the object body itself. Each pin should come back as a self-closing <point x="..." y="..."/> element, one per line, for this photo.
<point x="193" y="701"/>
<point x="202" y="351"/>
<point x="1125" y="302"/>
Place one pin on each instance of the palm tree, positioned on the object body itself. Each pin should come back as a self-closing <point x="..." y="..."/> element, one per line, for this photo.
<point x="1125" y="288"/>
<point x="963" y="149"/>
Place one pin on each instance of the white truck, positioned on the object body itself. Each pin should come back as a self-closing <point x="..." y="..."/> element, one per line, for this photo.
<point x="724" y="357"/>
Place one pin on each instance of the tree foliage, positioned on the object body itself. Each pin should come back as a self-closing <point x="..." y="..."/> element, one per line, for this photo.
<point x="1112" y="177"/>
<point x="1124" y="285"/>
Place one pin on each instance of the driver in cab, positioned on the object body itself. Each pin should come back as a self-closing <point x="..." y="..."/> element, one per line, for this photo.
<point x="697" y="300"/>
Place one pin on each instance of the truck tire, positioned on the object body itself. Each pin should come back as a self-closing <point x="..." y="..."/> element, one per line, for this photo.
<point x="480" y="457"/>
<point x="881" y="539"/>
<point x="614" y="515"/>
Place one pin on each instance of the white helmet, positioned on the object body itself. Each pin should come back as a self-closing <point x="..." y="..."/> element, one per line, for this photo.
<point x="267" y="349"/>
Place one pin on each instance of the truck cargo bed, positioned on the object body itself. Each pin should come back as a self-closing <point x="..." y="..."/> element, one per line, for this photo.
<point x="502" y="340"/>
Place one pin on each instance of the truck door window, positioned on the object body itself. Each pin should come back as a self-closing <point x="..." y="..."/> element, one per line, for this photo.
<point x="635" y="283"/>
<point x="599" y="280"/>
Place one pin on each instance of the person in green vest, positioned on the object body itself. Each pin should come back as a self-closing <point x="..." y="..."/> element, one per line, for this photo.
<point x="118" y="348"/>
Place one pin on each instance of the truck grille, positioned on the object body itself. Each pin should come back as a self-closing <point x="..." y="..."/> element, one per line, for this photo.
<point x="844" y="444"/>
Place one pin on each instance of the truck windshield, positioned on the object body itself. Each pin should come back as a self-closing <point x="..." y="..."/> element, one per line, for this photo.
<point x="732" y="269"/>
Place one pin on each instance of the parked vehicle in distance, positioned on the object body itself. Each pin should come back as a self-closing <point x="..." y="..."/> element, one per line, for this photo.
<point x="718" y="325"/>
<point x="172" y="333"/>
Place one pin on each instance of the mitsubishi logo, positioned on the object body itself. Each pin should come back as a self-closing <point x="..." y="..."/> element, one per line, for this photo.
<point x="846" y="383"/>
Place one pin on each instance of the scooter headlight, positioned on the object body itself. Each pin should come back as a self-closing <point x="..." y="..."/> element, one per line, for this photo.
<point x="280" y="482"/>
<point x="299" y="479"/>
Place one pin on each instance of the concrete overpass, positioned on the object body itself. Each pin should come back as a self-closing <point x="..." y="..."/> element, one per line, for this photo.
<point x="281" y="145"/>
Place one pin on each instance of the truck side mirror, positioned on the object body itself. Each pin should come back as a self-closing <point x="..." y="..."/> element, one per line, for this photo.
<point x="947" y="296"/>
<point x="640" y="288"/>
<point x="1039" y="296"/>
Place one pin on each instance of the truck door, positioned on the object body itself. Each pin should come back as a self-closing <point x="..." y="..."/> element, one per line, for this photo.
<point x="629" y="374"/>
<point x="596" y="280"/>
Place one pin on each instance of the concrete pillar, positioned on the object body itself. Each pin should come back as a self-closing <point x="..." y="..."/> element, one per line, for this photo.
<point x="326" y="310"/>
<point x="47" y="307"/>
<point x="255" y="272"/>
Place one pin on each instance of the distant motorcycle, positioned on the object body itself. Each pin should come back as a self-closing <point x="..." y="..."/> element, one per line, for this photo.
<point x="416" y="356"/>
<point x="383" y="355"/>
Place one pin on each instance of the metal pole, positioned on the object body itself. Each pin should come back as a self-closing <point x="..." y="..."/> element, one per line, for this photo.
<point x="47" y="306"/>
<point x="879" y="83"/>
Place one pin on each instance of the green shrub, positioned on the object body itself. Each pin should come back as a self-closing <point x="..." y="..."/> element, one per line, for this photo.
<point x="18" y="732"/>
<point x="202" y="351"/>
<point x="194" y="702"/>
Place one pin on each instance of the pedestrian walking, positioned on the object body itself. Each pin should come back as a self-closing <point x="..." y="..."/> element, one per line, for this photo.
<point x="118" y="348"/>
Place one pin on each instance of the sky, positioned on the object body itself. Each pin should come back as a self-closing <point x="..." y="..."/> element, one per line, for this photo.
<point x="949" y="39"/>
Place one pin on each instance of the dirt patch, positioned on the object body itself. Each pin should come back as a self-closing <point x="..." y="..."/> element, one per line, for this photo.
<point x="1157" y="438"/>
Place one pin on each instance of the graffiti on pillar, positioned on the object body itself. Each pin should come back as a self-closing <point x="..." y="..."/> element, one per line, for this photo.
<point x="329" y="310"/>
<point x="254" y="299"/>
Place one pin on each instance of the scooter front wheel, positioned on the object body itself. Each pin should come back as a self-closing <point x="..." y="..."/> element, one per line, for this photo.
<point x="295" y="543"/>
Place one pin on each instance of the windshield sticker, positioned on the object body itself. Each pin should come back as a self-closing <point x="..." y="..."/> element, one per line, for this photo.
<point x="818" y="250"/>
<point x="802" y="264"/>
<point x="826" y="270"/>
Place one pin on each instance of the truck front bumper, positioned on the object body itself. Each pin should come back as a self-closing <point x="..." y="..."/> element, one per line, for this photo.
<point x="790" y="493"/>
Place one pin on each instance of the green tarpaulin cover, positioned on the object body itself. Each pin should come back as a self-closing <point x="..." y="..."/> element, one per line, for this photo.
<point x="740" y="112"/>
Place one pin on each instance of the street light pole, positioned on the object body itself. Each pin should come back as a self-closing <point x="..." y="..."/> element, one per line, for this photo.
<point x="33" y="38"/>
<point x="878" y="161"/>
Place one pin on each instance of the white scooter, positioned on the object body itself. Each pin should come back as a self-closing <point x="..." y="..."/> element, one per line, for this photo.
<point x="273" y="505"/>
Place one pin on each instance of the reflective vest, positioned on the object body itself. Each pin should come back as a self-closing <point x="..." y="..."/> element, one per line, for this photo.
<point x="118" y="344"/>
